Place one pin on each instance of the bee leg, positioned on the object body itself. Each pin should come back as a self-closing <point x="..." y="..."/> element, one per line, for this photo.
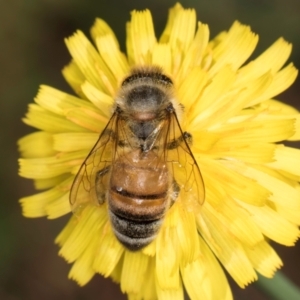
<point x="101" y="182"/>
<point x="186" y="136"/>
<point x="175" y="191"/>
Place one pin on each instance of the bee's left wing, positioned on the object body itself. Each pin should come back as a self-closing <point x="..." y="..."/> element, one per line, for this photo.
<point x="91" y="181"/>
<point x="181" y="161"/>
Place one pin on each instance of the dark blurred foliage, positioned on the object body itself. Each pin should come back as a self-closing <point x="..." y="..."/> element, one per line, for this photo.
<point x="33" y="52"/>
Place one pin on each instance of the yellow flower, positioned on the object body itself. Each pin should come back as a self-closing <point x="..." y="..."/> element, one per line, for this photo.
<point x="251" y="179"/>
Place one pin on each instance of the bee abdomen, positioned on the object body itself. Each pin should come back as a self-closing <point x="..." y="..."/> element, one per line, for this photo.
<point x="136" y="219"/>
<point x="134" y="235"/>
<point x="138" y="197"/>
<point x="137" y="207"/>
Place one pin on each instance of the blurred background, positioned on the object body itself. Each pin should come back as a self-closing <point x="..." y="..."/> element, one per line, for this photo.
<point x="32" y="52"/>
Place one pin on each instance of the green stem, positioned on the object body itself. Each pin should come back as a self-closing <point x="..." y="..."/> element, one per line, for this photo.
<point x="279" y="287"/>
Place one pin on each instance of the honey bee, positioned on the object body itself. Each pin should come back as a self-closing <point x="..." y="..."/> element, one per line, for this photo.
<point x="141" y="161"/>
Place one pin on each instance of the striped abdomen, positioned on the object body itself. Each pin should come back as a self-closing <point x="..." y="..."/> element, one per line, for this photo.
<point x="138" y="198"/>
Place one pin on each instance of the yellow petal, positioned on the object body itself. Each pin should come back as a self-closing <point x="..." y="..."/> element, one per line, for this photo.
<point x="175" y="10"/>
<point x="296" y="136"/>
<point x="149" y="289"/>
<point x="90" y="62"/>
<point x="169" y="294"/>
<point x="36" y="205"/>
<point x="50" y="122"/>
<point x="148" y="292"/>
<point x="264" y="130"/>
<point x="273" y="225"/>
<point x="228" y="250"/>
<point x="82" y="270"/>
<point x="74" y="77"/>
<point x="182" y="30"/>
<point x="161" y="56"/>
<point x="74" y="141"/>
<point x="167" y="259"/>
<point x="281" y="81"/>
<point x="81" y="233"/>
<point x="282" y="192"/>
<point x="234" y="98"/>
<point x="187" y="234"/>
<point x="283" y="110"/>
<point x="66" y="105"/>
<point x="264" y="259"/>
<point x="279" y="108"/>
<point x="42" y="184"/>
<point x="150" y="250"/>
<point x="65" y="233"/>
<point x="241" y="224"/>
<point x="87" y="118"/>
<point x="212" y="96"/>
<point x="115" y="60"/>
<point x="252" y="94"/>
<point x="179" y="34"/>
<point x="217" y="276"/>
<point x="194" y="54"/>
<point x="58" y="102"/>
<point x="203" y="275"/>
<point x="234" y="49"/>
<point x="217" y="173"/>
<point x="52" y="166"/>
<point x="36" y="145"/>
<point x="292" y="215"/>
<point x="59" y="207"/>
<point x="287" y="159"/>
<point x="194" y="275"/>
<point x="117" y="271"/>
<point x="134" y="271"/>
<point x="190" y="90"/>
<point x="256" y="153"/>
<point x="101" y="100"/>
<point x="101" y="28"/>
<point x="140" y="37"/>
<point x="109" y="252"/>
<point x="272" y="59"/>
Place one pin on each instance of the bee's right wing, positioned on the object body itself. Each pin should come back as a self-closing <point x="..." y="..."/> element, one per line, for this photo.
<point x="91" y="181"/>
<point x="182" y="163"/>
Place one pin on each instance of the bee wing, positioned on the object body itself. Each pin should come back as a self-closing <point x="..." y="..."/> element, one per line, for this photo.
<point x="90" y="183"/>
<point x="182" y="163"/>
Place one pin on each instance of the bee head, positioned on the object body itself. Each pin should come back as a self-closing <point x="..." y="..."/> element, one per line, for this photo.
<point x="145" y="93"/>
